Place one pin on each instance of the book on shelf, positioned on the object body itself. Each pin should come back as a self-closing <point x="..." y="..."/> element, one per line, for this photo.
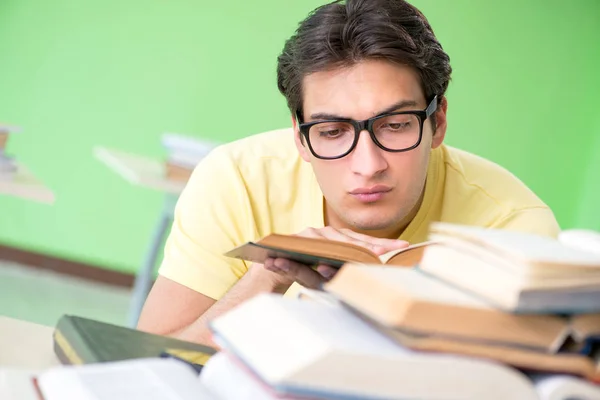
<point x="183" y="154"/>
<point x="177" y="173"/>
<point x="5" y="131"/>
<point x="314" y="251"/>
<point x="8" y="165"/>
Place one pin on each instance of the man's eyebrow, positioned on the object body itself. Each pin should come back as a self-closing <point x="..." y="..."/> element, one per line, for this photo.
<point x="396" y="106"/>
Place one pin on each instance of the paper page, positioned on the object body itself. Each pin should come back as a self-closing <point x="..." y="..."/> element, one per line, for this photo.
<point x="151" y="379"/>
<point x="279" y="335"/>
<point x="221" y="370"/>
<point x="523" y="245"/>
<point x="561" y="387"/>
<point x="581" y="239"/>
<point x="420" y="285"/>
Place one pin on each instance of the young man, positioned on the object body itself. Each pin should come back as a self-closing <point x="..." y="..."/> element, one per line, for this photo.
<point x="364" y="163"/>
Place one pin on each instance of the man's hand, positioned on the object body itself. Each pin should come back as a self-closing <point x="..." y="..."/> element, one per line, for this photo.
<point x="290" y="271"/>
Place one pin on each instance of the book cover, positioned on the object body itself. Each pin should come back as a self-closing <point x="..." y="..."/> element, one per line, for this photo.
<point x="79" y="340"/>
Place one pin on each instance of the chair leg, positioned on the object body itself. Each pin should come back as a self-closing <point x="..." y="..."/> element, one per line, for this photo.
<point x="144" y="276"/>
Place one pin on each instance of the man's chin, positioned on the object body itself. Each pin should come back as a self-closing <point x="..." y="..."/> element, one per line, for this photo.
<point x="374" y="223"/>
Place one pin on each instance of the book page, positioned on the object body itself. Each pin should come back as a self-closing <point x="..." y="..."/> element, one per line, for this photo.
<point x="313" y="350"/>
<point x="320" y="247"/>
<point x="585" y="325"/>
<point x="151" y="379"/>
<point x="561" y="387"/>
<point x="277" y="336"/>
<point x="418" y="285"/>
<point x="527" y="247"/>
<point x="408" y="257"/>
<point x="581" y="239"/>
<point x="17" y="384"/>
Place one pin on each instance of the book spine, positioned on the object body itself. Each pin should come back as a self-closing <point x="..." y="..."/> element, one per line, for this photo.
<point x="64" y="351"/>
<point x="70" y="343"/>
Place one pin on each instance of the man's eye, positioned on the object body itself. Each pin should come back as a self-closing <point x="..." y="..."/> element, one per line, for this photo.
<point x="331" y="133"/>
<point x="397" y="126"/>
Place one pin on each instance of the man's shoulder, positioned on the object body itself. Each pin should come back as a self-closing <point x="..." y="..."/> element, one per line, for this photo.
<point x="489" y="179"/>
<point x="258" y="164"/>
<point x="272" y="144"/>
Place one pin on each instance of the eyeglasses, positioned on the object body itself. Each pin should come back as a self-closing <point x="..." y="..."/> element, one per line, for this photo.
<point x="394" y="132"/>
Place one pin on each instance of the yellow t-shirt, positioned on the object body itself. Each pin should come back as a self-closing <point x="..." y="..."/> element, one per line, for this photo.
<point x="258" y="185"/>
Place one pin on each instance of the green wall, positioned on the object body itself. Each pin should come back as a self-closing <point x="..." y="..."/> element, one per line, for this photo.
<point x="588" y="215"/>
<point x="76" y="74"/>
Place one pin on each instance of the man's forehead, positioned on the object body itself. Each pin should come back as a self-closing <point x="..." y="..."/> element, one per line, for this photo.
<point x="397" y="106"/>
<point x="361" y="91"/>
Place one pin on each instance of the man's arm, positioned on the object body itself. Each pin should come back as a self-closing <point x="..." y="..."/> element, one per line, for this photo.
<point x="177" y="311"/>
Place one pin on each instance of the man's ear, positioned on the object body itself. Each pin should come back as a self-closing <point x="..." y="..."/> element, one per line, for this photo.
<point x="300" y="142"/>
<point x="441" y="123"/>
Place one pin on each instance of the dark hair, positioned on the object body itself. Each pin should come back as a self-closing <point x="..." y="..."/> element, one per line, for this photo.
<point x="340" y="34"/>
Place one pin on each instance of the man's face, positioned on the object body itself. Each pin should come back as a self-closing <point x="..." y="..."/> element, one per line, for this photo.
<point x="370" y="190"/>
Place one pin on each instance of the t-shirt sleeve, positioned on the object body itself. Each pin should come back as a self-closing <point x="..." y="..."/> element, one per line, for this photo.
<point x="213" y="214"/>
<point x="536" y="220"/>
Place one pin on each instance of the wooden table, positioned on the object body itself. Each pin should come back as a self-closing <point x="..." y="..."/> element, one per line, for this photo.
<point x="24" y="184"/>
<point x="21" y="183"/>
<point x="25" y="349"/>
<point x="138" y="170"/>
<point x="25" y="344"/>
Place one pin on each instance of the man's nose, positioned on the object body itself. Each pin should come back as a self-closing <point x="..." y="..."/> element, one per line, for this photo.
<point x="367" y="157"/>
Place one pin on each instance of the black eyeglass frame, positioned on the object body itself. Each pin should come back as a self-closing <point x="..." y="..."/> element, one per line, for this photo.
<point x="367" y="125"/>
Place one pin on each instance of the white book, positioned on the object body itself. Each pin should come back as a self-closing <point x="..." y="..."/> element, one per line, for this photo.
<point x="222" y="378"/>
<point x="582" y="239"/>
<point x="8" y="165"/>
<point x="9" y="128"/>
<point x="222" y="369"/>
<point x="528" y="253"/>
<point x="565" y="387"/>
<point x="140" y="379"/>
<point x="516" y="271"/>
<point x="184" y="159"/>
<point x="178" y="143"/>
<point x="308" y="348"/>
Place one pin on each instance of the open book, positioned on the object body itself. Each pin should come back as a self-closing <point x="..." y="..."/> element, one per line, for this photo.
<point x="139" y="379"/>
<point x="145" y="379"/>
<point x="313" y="251"/>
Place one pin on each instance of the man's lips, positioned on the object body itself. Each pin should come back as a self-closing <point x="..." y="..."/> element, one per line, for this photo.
<point x="370" y="194"/>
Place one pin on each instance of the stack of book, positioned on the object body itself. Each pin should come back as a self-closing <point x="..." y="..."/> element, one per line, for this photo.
<point x="471" y="314"/>
<point x="8" y="166"/>
<point x="482" y="313"/>
<point x="183" y="154"/>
